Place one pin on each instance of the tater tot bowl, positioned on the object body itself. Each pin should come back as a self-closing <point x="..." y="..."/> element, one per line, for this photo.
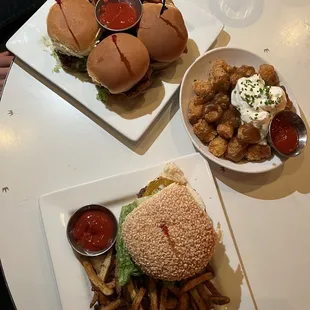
<point x="221" y="138"/>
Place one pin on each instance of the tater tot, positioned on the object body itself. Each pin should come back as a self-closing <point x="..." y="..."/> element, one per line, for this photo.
<point x="239" y="72"/>
<point x="204" y="131"/>
<point x="212" y="113"/>
<point x="258" y="152"/>
<point x="226" y="131"/>
<point x="247" y="133"/>
<point x="218" y="146"/>
<point x="289" y="103"/>
<point x="222" y="100"/>
<point x="235" y="150"/>
<point x="195" y="112"/>
<point x="269" y="74"/>
<point x="198" y="100"/>
<point x="219" y="67"/>
<point x="231" y="117"/>
<point x="204" y="89"/>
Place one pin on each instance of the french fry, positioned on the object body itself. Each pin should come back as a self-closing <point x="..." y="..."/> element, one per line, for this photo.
<point x="171" y="303"/>
<point x="175" y="290"/>
<point x="103" y="300"/>
<point x="105" y="266"/>
<point x="96" y="261"/>
<point x="183" y="301"/>
<point x="113" y="305"/>
<point x="94" y="300"/>
<point x="193" y="303"/>
<point x="111" y="284"/>
<point x="131" y="289"/>
<point x="196" y="281"/>
<point x="163" y="298"/>
<point x="220" y="300"/>
<point x="199" y="301"/>
<point x="153" y="294"/>
<point x="204" y="293"/>
<point x="209" y="268"/>
<point x="212" y="289"/>
<point x="138" y="299"/>
<point x="95" y="280"/>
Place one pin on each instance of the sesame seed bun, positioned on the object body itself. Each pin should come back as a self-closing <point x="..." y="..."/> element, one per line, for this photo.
<point x="164" y="36"/>
<point x="190" y="242"/>
<point x="81" y="18"/>
<point x="106" y="67"/>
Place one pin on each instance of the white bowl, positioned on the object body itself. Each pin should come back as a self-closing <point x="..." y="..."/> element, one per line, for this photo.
<point x="199" y="70"/>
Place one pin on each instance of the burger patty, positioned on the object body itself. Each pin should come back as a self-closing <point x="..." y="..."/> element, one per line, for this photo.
<point x="72" y="62"/>
<point x="139" y="88"/>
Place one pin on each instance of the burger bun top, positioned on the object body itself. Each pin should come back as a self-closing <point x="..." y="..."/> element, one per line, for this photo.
<point x="169" y="236"/>
<point x="165" y="36"/>
<point x="118" y="62"/>
<point x="82" y="21"/>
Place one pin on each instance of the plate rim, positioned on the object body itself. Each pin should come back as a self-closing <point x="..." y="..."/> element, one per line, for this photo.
<point x="211" y="157"/>
<point x="248" y="297"/>
<point x="141" y="130"/>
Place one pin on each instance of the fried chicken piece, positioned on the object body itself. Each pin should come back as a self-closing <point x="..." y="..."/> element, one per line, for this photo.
<point x="289" y="103"/>
<point x="212" y="112"/>
<point x="222" y="100"/>
<point x="204" y="131"/>
<point x="236" y="150"/>
<point x="269" y="74"/>
<point x="258" y="152"/>
<point x="204" y="89"/>
<point x="239" y="72"/>
<point x="226" y="131"/>
<point x="218" y="146"/>
<point x="247" y="133"/>
<point x="195" y="112"/>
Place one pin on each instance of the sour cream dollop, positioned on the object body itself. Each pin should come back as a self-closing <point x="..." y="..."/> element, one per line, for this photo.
<point x="257" y="102"/>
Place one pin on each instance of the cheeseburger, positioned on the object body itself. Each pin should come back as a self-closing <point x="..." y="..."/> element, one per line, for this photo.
<point x="169" y="235"/>
<point x="120" y="63"/>
<point x="165" y="36"/>
<point x="73" y="30"/>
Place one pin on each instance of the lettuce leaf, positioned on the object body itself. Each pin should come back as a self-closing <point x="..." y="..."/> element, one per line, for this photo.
<point x="125" y="265"/>
<point x="103" y="94"/>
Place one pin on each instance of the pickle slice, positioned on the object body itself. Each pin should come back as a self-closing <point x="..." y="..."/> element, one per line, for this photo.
<point x="153" y="186"/>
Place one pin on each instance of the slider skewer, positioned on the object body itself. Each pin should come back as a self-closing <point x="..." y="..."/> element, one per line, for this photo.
<point x="164" y="8"/>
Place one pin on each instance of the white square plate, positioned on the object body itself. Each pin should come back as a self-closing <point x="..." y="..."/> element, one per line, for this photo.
<point x="27" y="44"/>
<point x="114" y="192"/>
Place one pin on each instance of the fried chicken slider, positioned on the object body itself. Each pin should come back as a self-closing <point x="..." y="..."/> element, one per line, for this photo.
<point x="73" y="30"/>
<point x="119" y="63"/>
<point x="165" y="36"/>
<point x="170" y="236"/>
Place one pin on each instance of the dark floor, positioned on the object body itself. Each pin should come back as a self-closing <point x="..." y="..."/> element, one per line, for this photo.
<point x="5" y="297"/>
<point x="7" y="31"/>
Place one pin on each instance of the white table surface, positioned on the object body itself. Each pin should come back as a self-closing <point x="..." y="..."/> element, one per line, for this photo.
<point x="48" y="144"/>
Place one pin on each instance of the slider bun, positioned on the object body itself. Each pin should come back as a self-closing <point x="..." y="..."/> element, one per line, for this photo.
<point x="81" y="18"/>
<point x="106" y="67"/>
<point x="164" y="36"/>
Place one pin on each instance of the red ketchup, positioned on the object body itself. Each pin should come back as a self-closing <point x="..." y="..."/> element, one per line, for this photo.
<point x="117" y="15"/>
<point x="284" y="135"/>
<point x="94" y="230"/>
